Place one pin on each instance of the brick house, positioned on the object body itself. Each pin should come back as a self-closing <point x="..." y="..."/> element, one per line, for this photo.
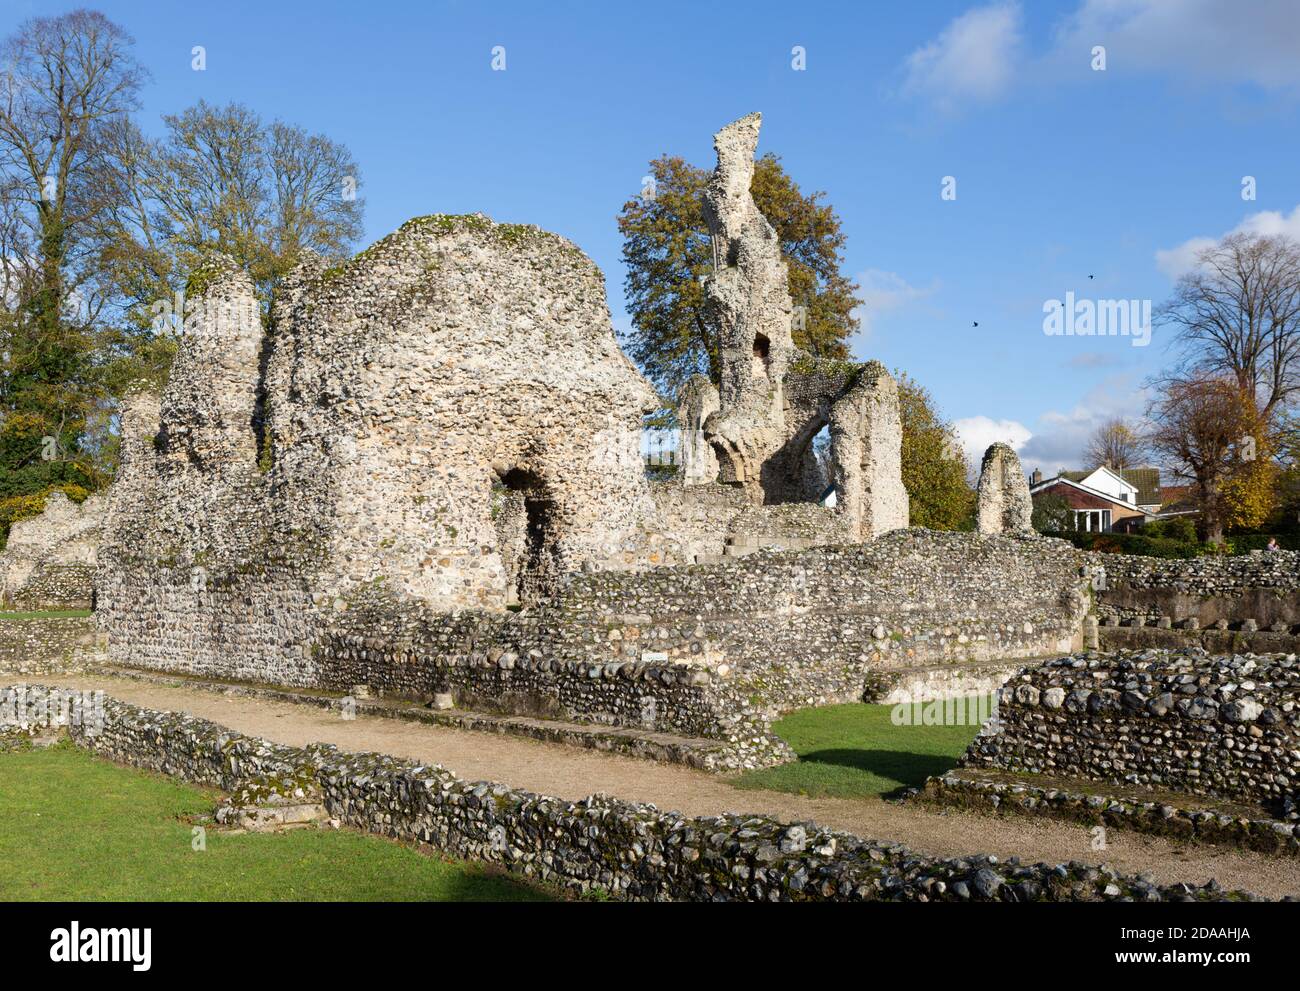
<point x="1103" y="500"/>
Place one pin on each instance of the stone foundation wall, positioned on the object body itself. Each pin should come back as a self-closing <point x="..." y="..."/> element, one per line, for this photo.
<point x="1262" y="587"/>
<point x="706" y="650"/>
<point x="702" y="522"/>
<point x="1238" y="827"/>
<point x="57" y="586"/>
<point x="1225" y="727"/>
<point x="1209" y="575"/>
<point x="1215" y="641"/>
<point x="794" y="629"/>
<point x="718" y="649"/>
<point x="628" y="850"/>
<point x="33" y="644"/>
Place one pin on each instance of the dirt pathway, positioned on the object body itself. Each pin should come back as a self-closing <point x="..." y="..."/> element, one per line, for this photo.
<point x="571" y="773"/>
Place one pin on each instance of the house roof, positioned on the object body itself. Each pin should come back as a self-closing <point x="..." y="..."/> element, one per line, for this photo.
<point x="1145" y="480"/>
<point x="1179" y="499"/>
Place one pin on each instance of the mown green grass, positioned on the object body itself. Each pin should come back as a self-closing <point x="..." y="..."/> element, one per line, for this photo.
<point x="74" y="827"/>
<point x="855" y="751"/>
<point x="48" y="614"/>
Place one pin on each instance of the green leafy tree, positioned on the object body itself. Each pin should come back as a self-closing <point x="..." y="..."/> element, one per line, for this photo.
<point x="67" y="83"/>
<point x="99" y="224"/>
<point x="1052" y="514"/>
<point x="1205" y="430"/>
<point x="667" y="251"/>
<point x="934" y="467"/>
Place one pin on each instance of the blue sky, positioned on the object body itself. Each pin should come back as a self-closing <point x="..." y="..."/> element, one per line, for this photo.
<point x="1062" y="171"/>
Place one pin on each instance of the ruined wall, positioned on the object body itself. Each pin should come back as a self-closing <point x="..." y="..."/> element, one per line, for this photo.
<point x="772" y="399"/>
<point x="40" y="644"/>
<point x="831" y="624"/>
<point x="360" y="442"/>
<point x="697" y="401"/>
<point x="867" y="437"/>
<point x="453" y="354"/>
<point x="49" y="560"/>
<point x="717" y="650"/>
<point x="278" y="572"/>
<point x="1262" y="588"/>
<point x="1227" y="727"/>
<point x="444" y="426"/>
<point x="697" y="524"/>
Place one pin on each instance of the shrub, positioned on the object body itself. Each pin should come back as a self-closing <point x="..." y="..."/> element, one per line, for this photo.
<point x="1132" y="543"/>
<point x="1052" y="514"/>
<point x="1179" y="528"/>
<point x="1244" y="543"/>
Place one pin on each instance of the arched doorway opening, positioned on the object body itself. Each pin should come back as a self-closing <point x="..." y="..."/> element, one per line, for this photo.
<point x="523" y="514"/>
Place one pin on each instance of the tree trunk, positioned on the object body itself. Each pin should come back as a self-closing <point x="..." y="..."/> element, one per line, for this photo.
<point x="1211" y="513"/>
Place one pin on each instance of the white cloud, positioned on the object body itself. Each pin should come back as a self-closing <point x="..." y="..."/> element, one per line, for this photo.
<point x="884" y="292"/>
<point x="976" y="433"/>
<point x="1251" y="41"/>
<point x="1059" y="436"/>
<point x="973" y="59"/>
<point x="981" y="53"/>
<point x="1181" y="259"/>
<point x="1062" y="434"/>
<point x="1175" y="261"/>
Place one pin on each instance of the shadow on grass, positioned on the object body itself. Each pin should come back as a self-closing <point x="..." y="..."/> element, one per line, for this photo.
<point x="909" y="769"/>
<point x="490" y="886"/>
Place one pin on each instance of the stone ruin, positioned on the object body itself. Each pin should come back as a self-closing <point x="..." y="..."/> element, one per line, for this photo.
<point x="760" y="422"/>
<point x="449" y="413"/>
<point x="1003" y="504"/>
<point x="49" y="560"/>
<point x="424" y="476"/>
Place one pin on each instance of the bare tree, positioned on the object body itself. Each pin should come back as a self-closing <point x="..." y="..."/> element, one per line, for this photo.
<point x="1237" y="314"/>
<point x="1116" y="444"/>
<point x="1201" y="430"/>
<point x="222" y="179"/>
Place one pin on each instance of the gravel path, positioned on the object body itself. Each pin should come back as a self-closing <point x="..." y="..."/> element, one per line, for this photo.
<point x="571" y="773"/>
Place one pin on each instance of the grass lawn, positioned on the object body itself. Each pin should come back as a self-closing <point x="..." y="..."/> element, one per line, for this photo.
<point x="855" y="751"/>
<point x="48" y="614"/>
<point x="75" y="827"/>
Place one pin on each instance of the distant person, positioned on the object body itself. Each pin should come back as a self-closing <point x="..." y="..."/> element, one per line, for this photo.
<point x="1272" y="545"/>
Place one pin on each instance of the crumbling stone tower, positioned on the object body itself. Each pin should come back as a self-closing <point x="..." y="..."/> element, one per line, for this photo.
<point x="773" y="399"/>
<point x="454" y="366"/>
<point x="1003" y="501"/>
<point x="866" y="433"/>
<point x="448" y="416"/>
<point x="209" y="406"/>
<point x="749" y="298"/>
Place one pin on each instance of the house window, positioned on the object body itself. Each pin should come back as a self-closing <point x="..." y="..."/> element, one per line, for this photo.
<point x="1092" y="520"/>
